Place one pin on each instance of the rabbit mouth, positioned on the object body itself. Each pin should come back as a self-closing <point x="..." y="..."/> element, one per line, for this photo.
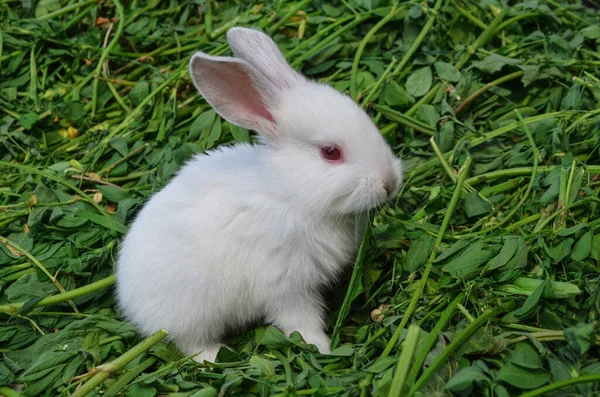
<point x="368" y="194"/>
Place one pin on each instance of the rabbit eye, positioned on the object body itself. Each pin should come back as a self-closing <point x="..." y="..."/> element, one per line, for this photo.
<point x="331" y="153"/>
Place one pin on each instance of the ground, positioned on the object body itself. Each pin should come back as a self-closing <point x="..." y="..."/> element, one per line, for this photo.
<point x="481" y="278"/>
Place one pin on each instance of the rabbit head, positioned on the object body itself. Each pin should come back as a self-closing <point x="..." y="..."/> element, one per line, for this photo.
<point x="323" y="149"/>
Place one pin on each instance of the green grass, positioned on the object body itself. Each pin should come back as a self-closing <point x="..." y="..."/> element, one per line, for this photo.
<point x="485" y="272"/>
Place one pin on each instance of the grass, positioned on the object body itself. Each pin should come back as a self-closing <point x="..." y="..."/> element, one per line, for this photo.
<point x="483" y="276"/>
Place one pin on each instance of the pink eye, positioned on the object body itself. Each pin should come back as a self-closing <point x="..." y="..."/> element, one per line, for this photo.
<point x="331" y="153"/>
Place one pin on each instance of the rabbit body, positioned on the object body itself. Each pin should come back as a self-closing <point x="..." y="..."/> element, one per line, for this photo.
<point x="247" y="233"/>
<point x="204" y="270"/>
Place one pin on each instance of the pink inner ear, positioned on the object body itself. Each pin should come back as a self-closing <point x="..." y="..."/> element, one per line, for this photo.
<point x="235" y="96"/>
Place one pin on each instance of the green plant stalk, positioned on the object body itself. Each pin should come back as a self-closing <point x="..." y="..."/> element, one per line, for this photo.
<point x="417" y="43"/>
<point x="562" y="191"/>
<point x="33" y="78"/>
<point x="488" y="137"/>
<point x="289" y="380"/>
<point x="106" y="370"/>
<point x="524" y="221"/>
<point x="378" y="85"/>
<point x="12" y="308"/>
<point x="363" y="44"/>
<point x="17" y="275"/>
<point x="514" y="19"/>
<point x="32" y="170"/>
<point x="405" y="120"/>
<point x="562" y="198"/>
<point x="561" y="385"/>
<point x="419" y="290"/>
<point x="485" y="36"/>
<point x="476" y="21"/>
<point x="208" y="18"/>
<point x="446" y="166"/>
<point x="39" y="264"/>
<point x="486" y="88"/>
<point x="121" y="126"/>
<point x="128" y="377"/>
<point x="410" y="344"/>
<point x="536" y="156"/>
<point x="1" y="50"/>
<point x="455" y="344"/>
<point x="310" y="392"/>
<point x="354" y="279"/>
<point x="465" y="313"/>
<point x="8" y="392"/>
<point x="115" y="93"/>
<point x="539" y="227"/>
<point x="288" y="15"/>
<point x="415" y="46"/>
<point x="431" y="340"/>
<point x="106" y="52"/>
<point x="66" y="9"/>
<point x="224" y="28"/>
<point x="317" y="36"/>
<point x="520" y="171"/>
<point x="318" y="47"/>
<point x="500" y="188"/>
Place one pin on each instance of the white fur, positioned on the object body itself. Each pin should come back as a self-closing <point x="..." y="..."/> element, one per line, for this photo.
<point x="254" y="232"/>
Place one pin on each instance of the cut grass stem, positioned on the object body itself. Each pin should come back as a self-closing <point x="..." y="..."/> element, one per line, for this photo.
<point x="461" y="338"/>
<point x="404" y="361"/>
<point x="419" y="290"/>
<point x="12" y="308"/>
<point x="107" y="370"/>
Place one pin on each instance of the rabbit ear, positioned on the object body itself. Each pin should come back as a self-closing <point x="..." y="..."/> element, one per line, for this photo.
<point x="239" y="93"/>
<point x="260" y="51"/>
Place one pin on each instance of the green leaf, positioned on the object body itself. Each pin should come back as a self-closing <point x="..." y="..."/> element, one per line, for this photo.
<point x="573" y="98"/>
<point x="30" y="287"/>
<point x="418" y="253"/>
<point x="530" y="74"/>
<point x="44" y="7"/>
<point x="381" y="364"/>
<point x="208" y="391"/>
<point x="530" y="305"/>
<point x="525" y="356"/>
<point x="202" y="123"/>
<point x="581" y="337"/>
<point x="465" y="379"/>
<point x="396" y="96"/>
<point x="467" y="265"/>
<point x="266" y="367"/>
<point x="560" y="251"/>
<point x="447" y="71"/>
<point x="419" y="82"/>
<point x="523" y="379"/>
<point x="343" y="351"/>
<point x="139" y="92"/>
<point x="494" y="63"/>
<point x="105" y="221"/>
<point x="113" y="193"/>
<point x="215" y="134"/>
<point x="28" y="120"/>
<point x="572" y="230"/>
<point x="454" y="249"/>
<point x="591" y="32"/>
<point x="474" y="205"/>
<point x="583" y="247"/>
<point x="239" y="134"/>
<point x="513" y="246"/>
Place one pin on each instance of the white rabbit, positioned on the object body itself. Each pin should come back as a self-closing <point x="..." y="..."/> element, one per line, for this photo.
<point x="246" y="233"/>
